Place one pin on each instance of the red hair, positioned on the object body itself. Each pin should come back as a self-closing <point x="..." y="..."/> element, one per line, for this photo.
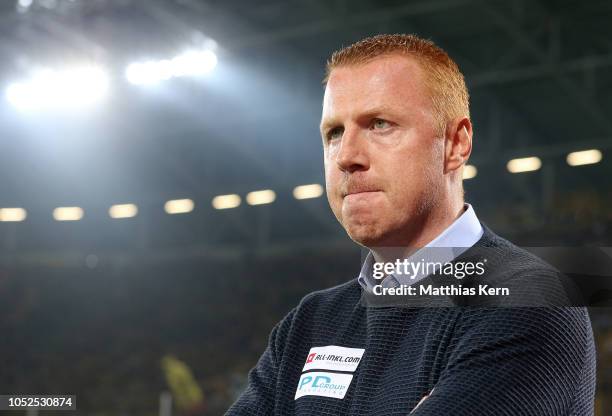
<point x="449" y="95"/>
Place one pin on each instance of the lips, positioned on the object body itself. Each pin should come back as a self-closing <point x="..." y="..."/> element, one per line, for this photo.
<point x="358" y="185"/>
<point x="362" y="192"/>
<point x="359" y="190"/>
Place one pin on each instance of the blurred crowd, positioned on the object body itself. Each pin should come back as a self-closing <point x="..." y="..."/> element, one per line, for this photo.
<point x="102" y="333"/>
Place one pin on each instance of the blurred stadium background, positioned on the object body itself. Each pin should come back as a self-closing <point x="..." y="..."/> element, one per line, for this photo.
<point x="136" y="304"/>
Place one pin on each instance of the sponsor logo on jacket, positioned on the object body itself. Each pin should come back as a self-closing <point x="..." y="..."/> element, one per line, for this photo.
<point x="319" y="383"/>
<point x="339" y="361"/>
<point x="332" y="357"/>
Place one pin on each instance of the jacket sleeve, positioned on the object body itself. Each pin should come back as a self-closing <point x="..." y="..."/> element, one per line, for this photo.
<point x="259" y="396"/>
<point x="517" y="361"/>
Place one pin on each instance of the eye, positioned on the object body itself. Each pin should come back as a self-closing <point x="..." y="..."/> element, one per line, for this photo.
<point x="335" y="133"/>
<point x="378" y="124"/>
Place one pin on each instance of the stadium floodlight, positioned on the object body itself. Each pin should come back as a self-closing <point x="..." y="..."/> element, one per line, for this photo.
<point x="469" y="171"/>
<point x="584" y="157"/>
<point x="74" y="88"/>
<point x="178" y="206"/>
<point x="524" y="164"/>
<point x="68" y="213"/>
<point x="308" y="191"/>
<point x="265" y="196"/>
<point x="226" y="201"/>
<point x="192" y="63"/>
<point x="12" y="214"/>
<point x="23" y="5"/>
<point x="123" y="211"/>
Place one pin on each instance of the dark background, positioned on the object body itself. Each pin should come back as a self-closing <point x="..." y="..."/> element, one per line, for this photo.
<point x="90" y="307"/>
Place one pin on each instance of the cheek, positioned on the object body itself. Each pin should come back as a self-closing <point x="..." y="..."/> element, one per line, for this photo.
<point x="332" y="173"/>
<point x="412" y="175"/>
<point x="332" y="182"/>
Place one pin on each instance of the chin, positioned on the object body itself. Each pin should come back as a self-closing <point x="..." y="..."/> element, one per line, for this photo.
<point x="376" y="234"/>
<point x="365" y="235"/>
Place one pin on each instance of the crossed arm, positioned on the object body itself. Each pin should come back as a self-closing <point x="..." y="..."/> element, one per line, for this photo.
<point x="528" y="361"/>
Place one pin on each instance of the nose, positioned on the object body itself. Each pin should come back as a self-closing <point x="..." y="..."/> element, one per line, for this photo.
<point x="352" y="155"/>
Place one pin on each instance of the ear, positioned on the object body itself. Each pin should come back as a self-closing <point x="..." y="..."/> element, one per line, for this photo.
<point x="457" y="143"/>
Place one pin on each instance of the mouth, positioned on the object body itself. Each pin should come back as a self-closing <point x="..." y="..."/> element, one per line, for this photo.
<point x="359" y="190"/>
<point x="360" y="194"/>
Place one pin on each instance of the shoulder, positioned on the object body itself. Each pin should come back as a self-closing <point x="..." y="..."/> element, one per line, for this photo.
<point x="530" y="280"/>
<point x="333" y="300"/>
<point x="343" y="294"/>
<point x="537" y="322"/>
<point x="324" y="310"/>
<point x="330" y="307"/>
<point x="509" y="255"/>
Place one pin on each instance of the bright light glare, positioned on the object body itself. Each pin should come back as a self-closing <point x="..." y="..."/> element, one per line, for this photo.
<point x="469" y="171"/>
<point x="226" y="201"/>
<point x="12" y="214"/>
<point x="265" y="196"/>
<point x="68" y="213"/>
<point x="178" y="206"/>
<point x="308" y="191"/>
<point x="525" y="164"/>
<point x="191" y="63"/>
<point x="123" y="211"/>
<point x="584" y="157"/>
<point x="23" y="5"/>
<point x="68" y="89"/>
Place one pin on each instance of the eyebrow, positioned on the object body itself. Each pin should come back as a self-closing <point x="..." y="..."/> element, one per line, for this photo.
<point x="326" y="125"/>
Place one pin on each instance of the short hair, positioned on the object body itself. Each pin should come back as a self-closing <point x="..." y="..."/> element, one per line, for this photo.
<point x="444" y="80"/>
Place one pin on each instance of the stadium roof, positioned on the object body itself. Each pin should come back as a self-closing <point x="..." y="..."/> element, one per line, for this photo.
<point x="538" y="73"/>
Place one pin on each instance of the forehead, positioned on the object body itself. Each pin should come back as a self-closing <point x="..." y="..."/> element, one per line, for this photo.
<point x="391" y="80"/>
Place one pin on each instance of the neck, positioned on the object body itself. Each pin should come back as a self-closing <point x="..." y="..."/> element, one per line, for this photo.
<point x="425" y="230"/>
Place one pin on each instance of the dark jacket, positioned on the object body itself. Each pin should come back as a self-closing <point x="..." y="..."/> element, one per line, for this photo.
<point x="480" y="360"/>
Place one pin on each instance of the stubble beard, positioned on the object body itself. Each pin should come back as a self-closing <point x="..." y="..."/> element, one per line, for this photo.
<point x="397" y="231"/>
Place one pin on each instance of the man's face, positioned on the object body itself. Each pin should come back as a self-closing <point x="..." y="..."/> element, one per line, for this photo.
<point x="383" y="154"/>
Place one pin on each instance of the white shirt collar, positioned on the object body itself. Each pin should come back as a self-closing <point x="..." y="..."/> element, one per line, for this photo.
<point x="464" y="232"/>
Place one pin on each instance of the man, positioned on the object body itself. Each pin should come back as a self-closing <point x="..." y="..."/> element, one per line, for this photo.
<point x="396" y="136"/>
